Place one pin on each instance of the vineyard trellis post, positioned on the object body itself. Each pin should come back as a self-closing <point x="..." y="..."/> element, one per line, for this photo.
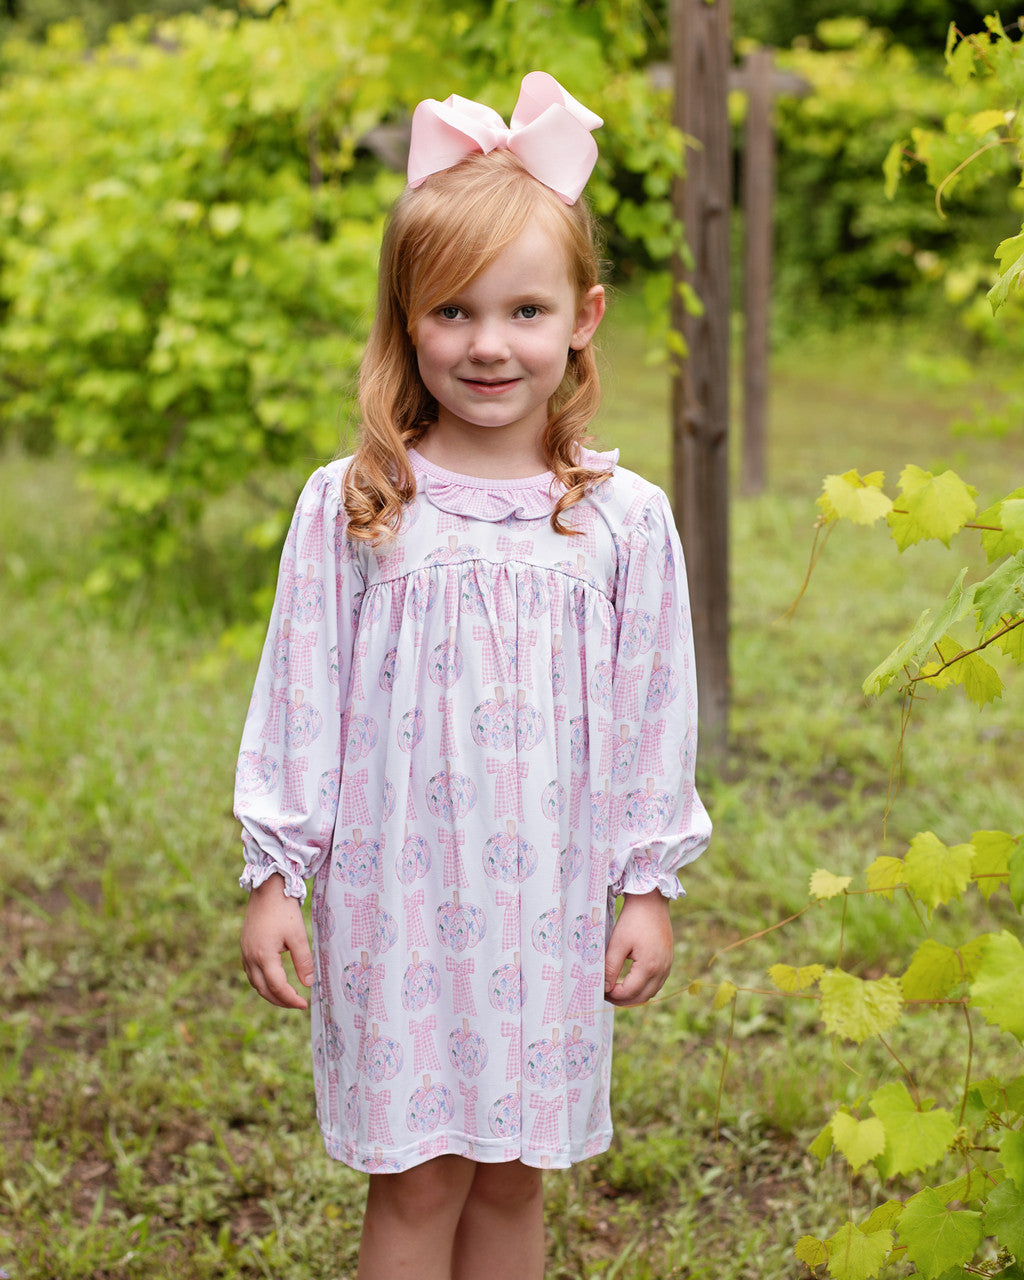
<point x="701" y="57"/>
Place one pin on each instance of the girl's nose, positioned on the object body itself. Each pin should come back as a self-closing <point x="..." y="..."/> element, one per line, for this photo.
<point x="488" y="343"/>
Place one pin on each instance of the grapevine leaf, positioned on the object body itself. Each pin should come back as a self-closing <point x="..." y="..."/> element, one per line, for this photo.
<point x="859" y="1141"/>
<point x="997" y="986"/>
<point x="1012" y="512"/>
<point x="930" y="507"/>
<point x="1001" y="594"/>
<point x="933" y="972"/>
<point x="883" y="1215"/>
<point x="810" y="1251"/>
<point x="1002" y="541"/>
<point x="855" y="1255"/>
<point x="974" y="1185"/>
<point x="884" y="875"/>
<point x="991" y="867"/>
<point x="1017" y="877"/>
<point x="856" y="1008"/>
<point x="1011" y="1149"/>
<point x="1010" y="254"/>
<point x="825" y="885"/>
<point x="1004" y="1216"/>
<point x="927" y="631"/>
<point x="790" y="980"/>
<point x="725" y="994"/>
<point x="892" y="167"/>
<point x="822" y="1145"/>
<point x="981" y="681"/>
<point x="938" y="1238"/>
<point x="983" y="121"/>
<point x="936" y="873"/>
<point x="1012" y="644"/>
<point x="853" y="497"/>
<point x="915" y="1138"/>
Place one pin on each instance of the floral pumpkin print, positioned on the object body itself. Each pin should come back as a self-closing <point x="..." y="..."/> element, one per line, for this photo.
<point x="450" y="795"/>
<point x="459" y="924"/>
<point x="544" y="1062"/>
<point x="256" y="773"/>
<point x="389" y="669"/>
<point x="411" y="728"/>
<point x="467" y="1050"/>
<point x="382" y="1056"/>
<point x="493" y="723"/>
<point x="505" y="1116"/>
<point x="509" y="857"/>
<point x="421" y="984"/>
<point x="302" y="724"/>
<point x="430" y="1106"/>
<point x="506" y="988"/>
<point x="413" y="861"/>
<point x="308" y="598"/>
<point x="357" y="861"/>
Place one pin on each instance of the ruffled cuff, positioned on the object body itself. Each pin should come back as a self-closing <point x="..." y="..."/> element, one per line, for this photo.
<point x="641" y="871"/>
<point x="261" y="865"/>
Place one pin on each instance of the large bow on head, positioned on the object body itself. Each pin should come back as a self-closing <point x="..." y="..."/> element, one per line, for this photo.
<point x="550" y="134"/>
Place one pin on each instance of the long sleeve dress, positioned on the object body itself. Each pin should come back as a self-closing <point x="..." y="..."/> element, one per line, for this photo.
<point x="472" y="739"/>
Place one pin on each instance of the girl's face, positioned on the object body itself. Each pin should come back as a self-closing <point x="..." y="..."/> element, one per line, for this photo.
<point x="494" y="354"/>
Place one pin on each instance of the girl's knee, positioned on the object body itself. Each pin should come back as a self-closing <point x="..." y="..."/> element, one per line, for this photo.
<point x="434" y="1189"/>
<point x="509" y="1187"/>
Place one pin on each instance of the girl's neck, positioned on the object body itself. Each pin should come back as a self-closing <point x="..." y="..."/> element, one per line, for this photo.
<point x="485" y="455"/>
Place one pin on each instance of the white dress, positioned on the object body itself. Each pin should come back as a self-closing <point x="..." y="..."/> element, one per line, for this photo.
<point x="472" y="739"/>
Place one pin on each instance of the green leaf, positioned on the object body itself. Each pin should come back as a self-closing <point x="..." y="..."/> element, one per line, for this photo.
<point x="999" y="982"/>
<point x="859" y="1141"/>
<point x="821" y="1147"/>
<point x="1004" y="1216"/>
<point x="883" y="1215"/>
<point x="937" y="1238"/>
<point x="1001" y="594"/>
<point x="854" y="497"/>
<point x="980" y="680"/>
<point x="927" y="632"/>
<point x="1011" y="1151"/>
<point x="1002" y="541"/>
<point x="892" y="167"/>
<point x="824" y="884"/>
<point x="933" y="972"/>
<point x="915" y="1138"/>
<point x="930" y="507"/>
<point x="853" y="1254"/>
<point x="810" y="1251"/>
<point x="1010" y="255"/>
<point x="1017" y="876"/>
<point x="991" y="867"/>
<point x="936" y="873"/>
<point x="884" y="875"/>
<point x="788" y="979"/>
<point x="856" y="1008"/>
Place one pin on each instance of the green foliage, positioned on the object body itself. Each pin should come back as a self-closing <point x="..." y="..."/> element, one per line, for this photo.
<point x="843" y="247"/>
<point x="189" y="222"/>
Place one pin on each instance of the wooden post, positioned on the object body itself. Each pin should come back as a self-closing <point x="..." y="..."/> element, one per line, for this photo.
<point x="759" y="226"/>
<point x="701" y="56"/>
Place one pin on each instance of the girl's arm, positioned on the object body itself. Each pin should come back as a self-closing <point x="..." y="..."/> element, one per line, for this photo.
<point x="274" y="924"/>
<point x="643" y="934"/>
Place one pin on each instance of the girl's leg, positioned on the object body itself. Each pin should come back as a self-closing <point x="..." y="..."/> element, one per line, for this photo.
<point x="410" y="1220"/>
<point x="500" y="1235"/>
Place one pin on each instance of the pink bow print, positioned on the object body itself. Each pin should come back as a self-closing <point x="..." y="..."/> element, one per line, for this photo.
<point x="550" y="134"/>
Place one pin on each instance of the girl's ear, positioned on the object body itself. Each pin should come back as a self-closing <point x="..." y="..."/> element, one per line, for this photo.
<point x="588" y="317"/>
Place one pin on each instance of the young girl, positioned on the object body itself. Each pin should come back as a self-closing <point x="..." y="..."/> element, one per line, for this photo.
<point x="474" y="724"/>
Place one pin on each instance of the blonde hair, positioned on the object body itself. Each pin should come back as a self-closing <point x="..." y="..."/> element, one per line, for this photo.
<point x="439" y="238"/>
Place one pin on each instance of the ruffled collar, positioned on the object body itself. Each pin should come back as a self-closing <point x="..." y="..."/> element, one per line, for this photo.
<point x="479" y="498"/>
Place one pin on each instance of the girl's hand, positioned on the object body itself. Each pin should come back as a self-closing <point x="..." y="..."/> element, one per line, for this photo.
<point x="274" y="924"/>
<point x="642" y="933"/>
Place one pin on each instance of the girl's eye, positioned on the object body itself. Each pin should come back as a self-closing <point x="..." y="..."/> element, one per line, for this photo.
<point x="449" y="313"/>
<point x="530" y="311"/>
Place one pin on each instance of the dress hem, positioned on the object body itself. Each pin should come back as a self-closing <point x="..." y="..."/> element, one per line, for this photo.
<point x="479" y="1150"/>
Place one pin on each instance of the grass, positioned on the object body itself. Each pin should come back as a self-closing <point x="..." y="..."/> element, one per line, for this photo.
<point x="157" y="1117"/>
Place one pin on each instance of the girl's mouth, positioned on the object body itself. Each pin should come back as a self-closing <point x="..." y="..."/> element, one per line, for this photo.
<point x="486" y="388"/>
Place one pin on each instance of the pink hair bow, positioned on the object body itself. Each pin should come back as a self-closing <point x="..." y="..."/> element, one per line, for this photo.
<point x="550" y="134"/>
